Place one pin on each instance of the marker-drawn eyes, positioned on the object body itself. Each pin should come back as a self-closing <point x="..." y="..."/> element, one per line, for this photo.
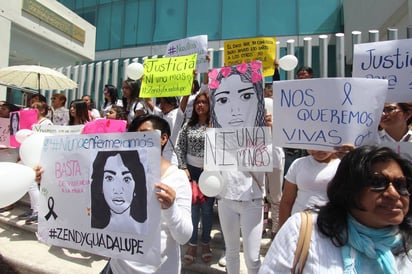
<point x="109" y="178"/>
<point x="246" y="96"/>
<point x="127" y="179"/>
<point x="222" y="100"/>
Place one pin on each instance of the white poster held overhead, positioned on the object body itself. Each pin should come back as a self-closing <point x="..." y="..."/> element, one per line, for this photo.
<point x="323" y="113"/>
<point x="98" y="195"/>
<point x="391" y="60"/>
<point x="238" y="149"/>
<point x="188" y="46"/>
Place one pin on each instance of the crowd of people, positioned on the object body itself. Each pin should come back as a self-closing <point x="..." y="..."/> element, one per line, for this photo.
<point x="360" y="199"/>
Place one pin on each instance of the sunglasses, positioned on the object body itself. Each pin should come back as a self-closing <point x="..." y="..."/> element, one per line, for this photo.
<point x="380" y="183"/>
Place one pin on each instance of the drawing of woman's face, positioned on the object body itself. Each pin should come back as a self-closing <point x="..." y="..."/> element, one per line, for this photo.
<point x="118" y="185"/>
<point x="236" y="103"/>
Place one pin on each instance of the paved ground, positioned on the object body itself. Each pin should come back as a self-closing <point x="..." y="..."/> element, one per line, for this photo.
<point x="20" y="248"/>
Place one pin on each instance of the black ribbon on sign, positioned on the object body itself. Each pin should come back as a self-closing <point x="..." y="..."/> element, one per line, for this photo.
<point x="50" y="205"/>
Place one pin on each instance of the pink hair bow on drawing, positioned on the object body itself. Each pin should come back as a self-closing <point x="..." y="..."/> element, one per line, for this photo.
<point x="255" y="65"/>
<point x="226" y="71"/>
<point x="256" y="76"/>
<point x="214" y="84"/>
<point x="213" y="74"/>
<point x="242" y="68"/>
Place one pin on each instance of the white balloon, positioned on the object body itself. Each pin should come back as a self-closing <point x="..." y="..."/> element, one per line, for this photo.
<point x="134" y="71"/>
<point x="211" y="183"/>
<point x="288" y="62"/>
<point x="22" y="134"/>
<point x="30" y="149"/>
<point x="16" y="180"/>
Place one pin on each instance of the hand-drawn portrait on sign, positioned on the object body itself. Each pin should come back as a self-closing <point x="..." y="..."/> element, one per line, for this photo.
<point x="119" y="192"/>
<point x="237" y="96"/>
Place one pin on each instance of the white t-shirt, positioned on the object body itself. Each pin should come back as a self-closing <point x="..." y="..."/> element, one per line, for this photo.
<point x="176" y="228"/>
<point x="175" y="119"/>
<point x="323" y="257"/>
<point x="385" y="137"/>
<point x="311" y="177"/>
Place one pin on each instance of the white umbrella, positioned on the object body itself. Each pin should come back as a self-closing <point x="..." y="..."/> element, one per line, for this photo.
<point x="35" y="77"/>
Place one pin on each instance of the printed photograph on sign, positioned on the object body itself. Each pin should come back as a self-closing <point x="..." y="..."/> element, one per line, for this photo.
<point x="236" y="95"/>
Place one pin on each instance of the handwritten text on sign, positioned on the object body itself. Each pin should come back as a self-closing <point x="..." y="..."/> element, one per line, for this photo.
<point x="4" y="132"/>
<point x="77" y="177"/>
<point x="323" y="113"/>
<point x="391" y="60"/>
<point x="190" y="45"/>
<point x="241" y="149"/>
<point x="251" y="49"/>
<point x="166" y="77"/>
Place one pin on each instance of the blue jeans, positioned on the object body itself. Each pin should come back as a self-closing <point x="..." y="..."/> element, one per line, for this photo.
<point x="203" y="211"/>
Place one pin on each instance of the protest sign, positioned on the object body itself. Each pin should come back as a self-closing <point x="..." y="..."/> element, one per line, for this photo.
<point x="98" y="194"/>
<point x="402" y="148"/>
<point x="389" y="60"/>
<point x="4" y="132"/>
<point x="57" y="130"/>
<point x="323" y="113"/>
<point x="236" y="96"/>
<point x="188" y="46"/>
<point x="251" y="49"/>
<point x="22" y="119"/>
<point x="167" y="77"/>
<point x="238" y="149"/>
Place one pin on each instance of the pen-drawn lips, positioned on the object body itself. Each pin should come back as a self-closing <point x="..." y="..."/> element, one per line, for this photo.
<point x="236" y="122"/>
<point x="118" y="201"/>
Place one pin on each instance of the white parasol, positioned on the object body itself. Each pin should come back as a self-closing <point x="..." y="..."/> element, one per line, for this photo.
<point x="35" y="77"/>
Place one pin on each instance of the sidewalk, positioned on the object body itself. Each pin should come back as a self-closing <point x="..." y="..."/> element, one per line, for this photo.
<point x="20" y="248"/>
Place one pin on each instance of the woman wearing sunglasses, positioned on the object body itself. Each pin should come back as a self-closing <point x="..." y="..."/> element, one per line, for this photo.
<point x="366" y="227"/>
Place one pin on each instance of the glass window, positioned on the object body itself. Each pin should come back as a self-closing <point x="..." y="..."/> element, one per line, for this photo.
<point x="277" y="18"/>
<point x="170" y="20"/>
<point x="131" y="19"/>
<point x="318" y="17"/>
<point x="145" y="23"/>
<point x="116" y="21"/>
<point x="103" y="27"/>
<point x="239" y="19"/>
<point x="204" y="19"/>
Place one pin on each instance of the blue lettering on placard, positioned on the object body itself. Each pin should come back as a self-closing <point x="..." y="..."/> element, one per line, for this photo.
<point x="297" y="98"/>
<point x="306" y="136"/>
<point x="396" y="60"/>
<point x="392" y="79"/>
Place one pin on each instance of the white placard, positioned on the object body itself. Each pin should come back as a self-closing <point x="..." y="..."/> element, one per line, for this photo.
<point x="188" y="46"/>
<point x="391" y="60"/>
<point x="98" y="194"/>
<point x="241" y="149"/>
<point x="324" y="113"/>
